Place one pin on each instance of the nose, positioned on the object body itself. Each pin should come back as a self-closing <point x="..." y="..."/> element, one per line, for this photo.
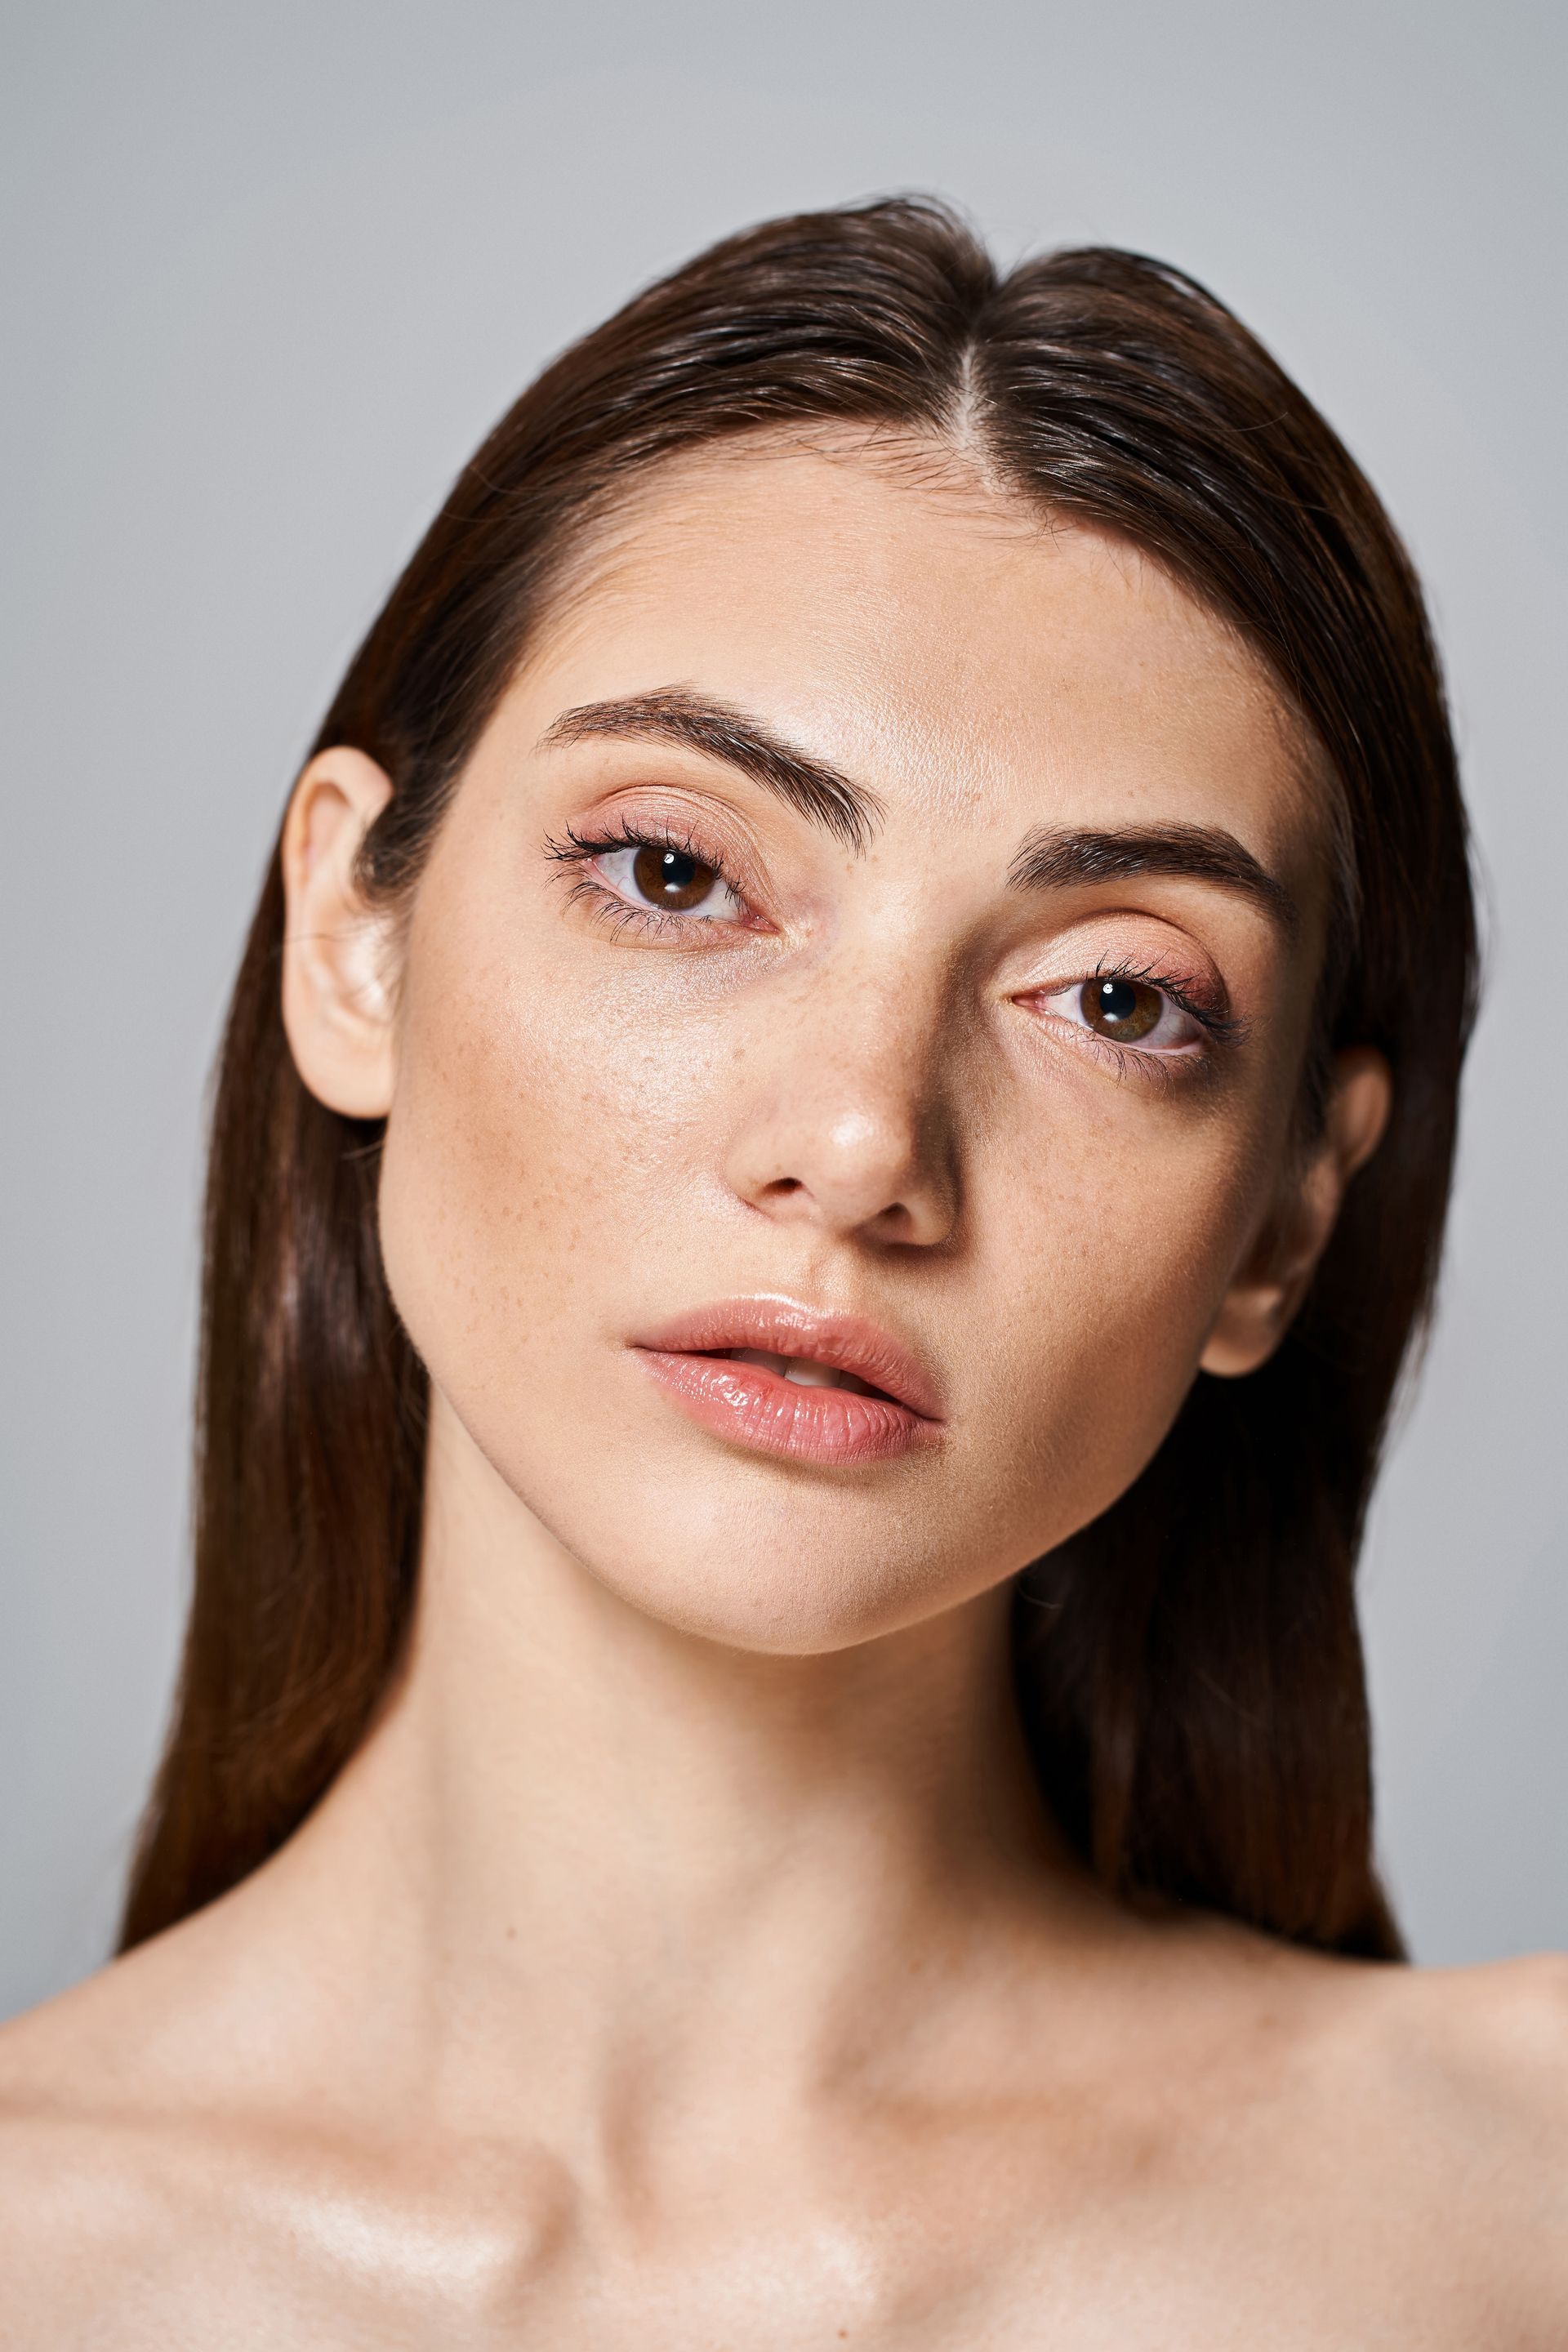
<point x="849" y="1127"/>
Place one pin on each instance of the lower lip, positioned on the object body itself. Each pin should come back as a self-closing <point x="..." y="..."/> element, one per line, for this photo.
<point x="761" y="1410"/>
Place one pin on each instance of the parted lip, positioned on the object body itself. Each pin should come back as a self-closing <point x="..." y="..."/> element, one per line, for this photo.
<point x="781" y="1327"/>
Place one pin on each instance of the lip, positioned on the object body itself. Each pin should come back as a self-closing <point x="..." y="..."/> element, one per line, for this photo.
<point x="757" y="1408"/>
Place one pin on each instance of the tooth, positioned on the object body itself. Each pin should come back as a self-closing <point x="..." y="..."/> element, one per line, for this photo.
<point x="808" y="1374"/>
<point x="759" y="1356"/>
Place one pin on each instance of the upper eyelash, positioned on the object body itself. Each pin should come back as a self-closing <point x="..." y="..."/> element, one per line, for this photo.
<point x="651" y="832"/>
<point x="576" y="848"/>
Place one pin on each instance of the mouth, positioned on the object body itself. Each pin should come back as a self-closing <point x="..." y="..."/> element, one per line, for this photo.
<point x="806" y="1372"/>
<point x="776" y="1377"/>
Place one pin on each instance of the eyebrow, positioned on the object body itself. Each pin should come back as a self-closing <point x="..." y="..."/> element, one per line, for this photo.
<point x="1053" y="859"/>
<point x="672" y="714"/>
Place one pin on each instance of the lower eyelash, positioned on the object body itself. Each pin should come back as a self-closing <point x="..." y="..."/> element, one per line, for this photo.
<point x="1165" y="1070"/>
<point x="608" y="906"/>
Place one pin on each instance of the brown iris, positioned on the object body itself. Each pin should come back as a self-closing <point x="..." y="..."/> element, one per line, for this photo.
<point x="668" y="878"/>
<point x="1124" y="1009"/>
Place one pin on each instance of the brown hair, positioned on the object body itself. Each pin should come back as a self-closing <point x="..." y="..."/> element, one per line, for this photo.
<point x="1189" y="1667"/>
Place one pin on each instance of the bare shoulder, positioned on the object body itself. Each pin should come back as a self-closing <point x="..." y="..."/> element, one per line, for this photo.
<point x="1477" y="2055"/>
<point x="108" y="2046"/>
<point x="1398" y="2135"/>
<point x="107" y="2143"/>
<point x="1489" y="2043"/>
<point x="74" y="2070"/>
<point x="1452" y="2084"/>
<point x="1513" y="2008"/>
<point x="1484" y="2052"/>
<point x="76" y="2195"/>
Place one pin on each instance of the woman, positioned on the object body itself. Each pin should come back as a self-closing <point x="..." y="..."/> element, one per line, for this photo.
<point x="833" y="1131"/>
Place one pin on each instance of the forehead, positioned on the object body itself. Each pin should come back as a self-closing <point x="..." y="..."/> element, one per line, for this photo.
<point x="934" y="637"/>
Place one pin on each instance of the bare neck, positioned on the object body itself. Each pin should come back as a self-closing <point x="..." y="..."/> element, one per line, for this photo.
<point x="613" y="1849"/>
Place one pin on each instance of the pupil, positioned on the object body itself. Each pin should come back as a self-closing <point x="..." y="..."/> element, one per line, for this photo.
<point x="676" y="872"/>
<point x="1116" y="1000"/>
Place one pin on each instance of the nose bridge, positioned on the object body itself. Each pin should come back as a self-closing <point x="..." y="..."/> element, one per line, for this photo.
<point x="848" y="1120"/>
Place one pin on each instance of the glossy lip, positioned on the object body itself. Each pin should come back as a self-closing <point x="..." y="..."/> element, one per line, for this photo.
<point x="758" y="1409"/>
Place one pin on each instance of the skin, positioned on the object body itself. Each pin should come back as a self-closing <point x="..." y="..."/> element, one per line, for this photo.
<point x="686" y="1959"/>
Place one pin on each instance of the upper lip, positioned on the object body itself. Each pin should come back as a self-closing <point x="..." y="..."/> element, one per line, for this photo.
<point x="781" y="1327"/>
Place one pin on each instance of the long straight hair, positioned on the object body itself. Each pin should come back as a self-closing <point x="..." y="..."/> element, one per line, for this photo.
<point x="1189" y="1667"/>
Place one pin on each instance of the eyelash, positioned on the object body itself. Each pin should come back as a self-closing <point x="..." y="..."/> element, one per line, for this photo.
<point x="1220" y="1030"/>
<point x="606" y="905"/>
<point x="577" y="851"/>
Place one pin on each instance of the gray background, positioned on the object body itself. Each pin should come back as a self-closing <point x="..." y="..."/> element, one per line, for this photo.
<point x="268" y="273"/>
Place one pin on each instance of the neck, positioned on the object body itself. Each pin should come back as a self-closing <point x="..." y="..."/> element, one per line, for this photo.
<point x="605" y="1836"/>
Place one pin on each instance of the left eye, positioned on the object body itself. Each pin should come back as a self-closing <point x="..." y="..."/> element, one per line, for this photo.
<point x="670" y="879"/>
<point x="1126" y="1012"/>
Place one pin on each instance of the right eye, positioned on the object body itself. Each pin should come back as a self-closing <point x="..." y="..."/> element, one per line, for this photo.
<point x="647" y="874"/>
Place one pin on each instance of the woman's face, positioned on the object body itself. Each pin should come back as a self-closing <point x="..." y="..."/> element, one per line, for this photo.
<point x="876" y="920"/>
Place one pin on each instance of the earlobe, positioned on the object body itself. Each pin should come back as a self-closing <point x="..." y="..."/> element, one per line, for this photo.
<point x="337" y="997"/>
<point x="1261" y="1303"/>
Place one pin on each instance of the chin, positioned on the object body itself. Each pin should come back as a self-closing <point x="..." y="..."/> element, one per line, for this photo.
<point x="779" y="1575"/>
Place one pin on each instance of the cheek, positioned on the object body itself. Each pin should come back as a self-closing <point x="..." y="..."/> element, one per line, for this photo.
<point x="537" y="1131"/>
<point x="1110" y="1248"/>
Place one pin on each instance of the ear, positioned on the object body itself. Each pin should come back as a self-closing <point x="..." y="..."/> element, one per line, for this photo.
<point x="337" y="998"/>
<point x="1260" y="1304"/>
